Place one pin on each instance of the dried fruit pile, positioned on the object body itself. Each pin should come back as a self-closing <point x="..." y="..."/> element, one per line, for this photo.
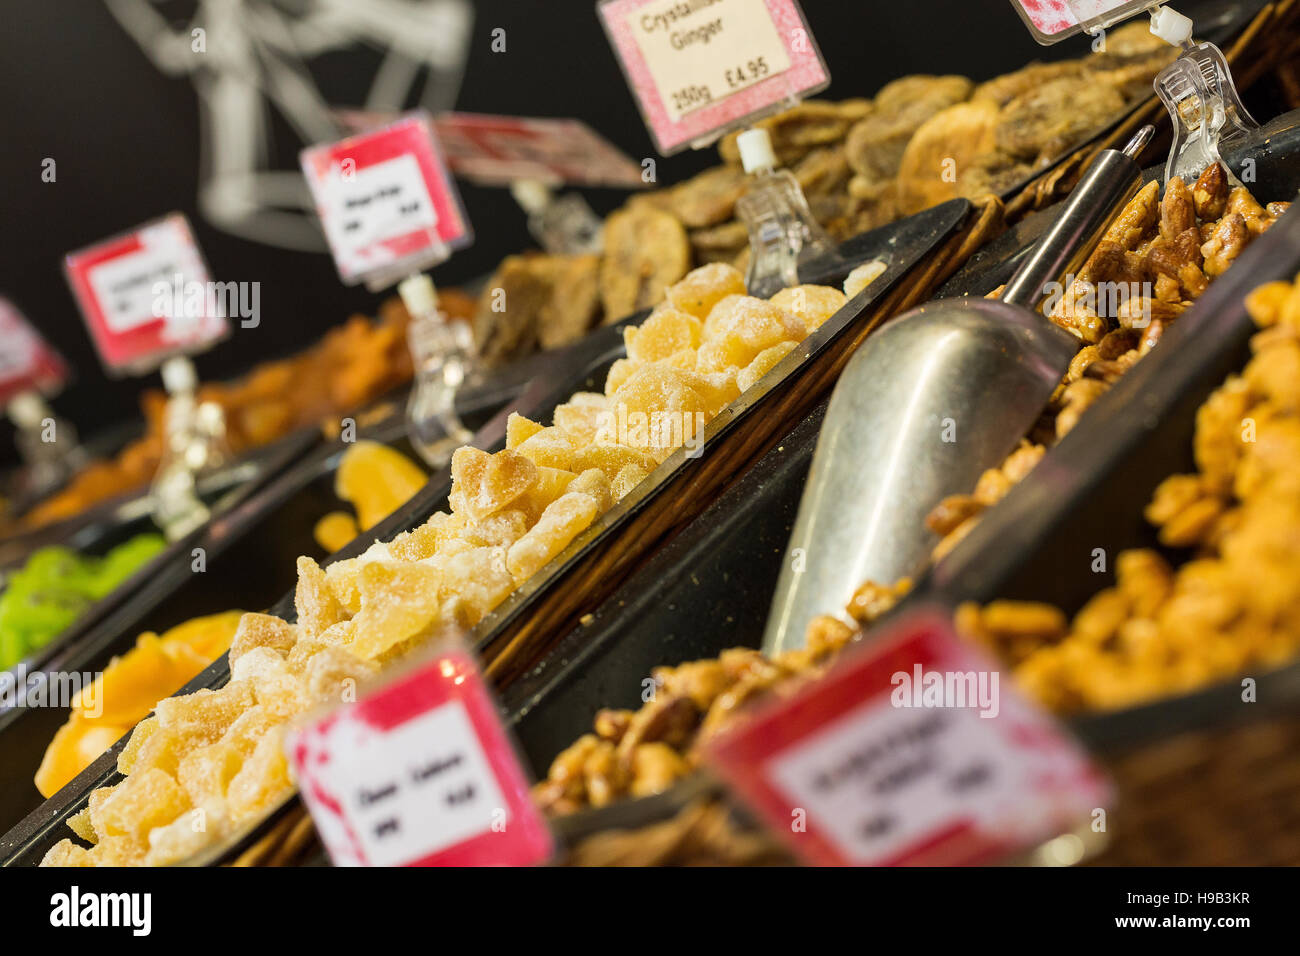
<point x="220" y="751"/>
<point x="862" y="163"/>
<point x="1236" y="603"/>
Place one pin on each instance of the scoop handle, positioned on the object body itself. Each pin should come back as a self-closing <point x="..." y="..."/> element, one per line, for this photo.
<point x="1110" y="181"/>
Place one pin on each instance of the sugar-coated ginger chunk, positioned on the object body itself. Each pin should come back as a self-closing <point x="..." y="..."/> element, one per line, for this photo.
<point x="139" y="803"/>
<point x="67" y="853"/>
<point x="263" y="779"/>
<point x="594" y="483"/>
<point x="398" y="601"/>
<point x="661" y="335"/>
<point x="207" y="771"/>
<point x="763" y="363"/>
<point x="519" y="429"/>
<point x="203" y="716"/>
<point x="551" y="483"/>
<point x="811" y="304"/>
<point x="551" y="447"/>
<point x="579" y="423"/>
<point x="483" y="483"/>
<point x="480" y="579"/>
<point x="628" y="477"/>
<point x="560" y="523"/>
<point x="700" y="289"/>
<point x="313" y="599"/>
<point x="262" y="630"/>
<point x="737" y="331"/>
<point x="619" y="373"/>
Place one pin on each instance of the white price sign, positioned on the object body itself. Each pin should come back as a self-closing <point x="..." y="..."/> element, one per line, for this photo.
<point x="911" y="750"/>
<point x="419" y="773"/>
<point x="386" y="201"/>
<point x="699" y="68"/>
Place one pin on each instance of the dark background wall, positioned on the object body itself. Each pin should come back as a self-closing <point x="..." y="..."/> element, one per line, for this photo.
<point x="125" y="138"/>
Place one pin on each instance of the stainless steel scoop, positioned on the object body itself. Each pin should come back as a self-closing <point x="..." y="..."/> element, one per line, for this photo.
<point x="931" y="401"/>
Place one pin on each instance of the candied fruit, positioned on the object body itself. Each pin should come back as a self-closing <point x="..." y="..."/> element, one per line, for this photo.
<point x="700" y="289"/>
<point x="811" y="304"/>
<point x="560" y="523"/>
<point x="763" y="363"/>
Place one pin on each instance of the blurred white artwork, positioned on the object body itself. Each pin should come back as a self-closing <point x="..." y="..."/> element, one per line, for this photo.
<point x="248" y="57"/>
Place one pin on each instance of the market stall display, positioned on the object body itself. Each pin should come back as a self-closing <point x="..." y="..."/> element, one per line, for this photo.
<point x="511" y="513"/>
<point x="607" y="544"/>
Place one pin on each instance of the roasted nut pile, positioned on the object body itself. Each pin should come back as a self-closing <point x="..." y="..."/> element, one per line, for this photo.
<point x="642" y="752"/>
<point x="862" y="163"/>
<point x="1235" y="604"/>
<point x="219" y="752"/>
<point x="1155" y="259"/>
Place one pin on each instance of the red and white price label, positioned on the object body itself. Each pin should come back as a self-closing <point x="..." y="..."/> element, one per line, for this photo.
<point x="499" y="150"/>
<point x="386" y="202"/>
<point x="145" y="295"/>
<point x="702" y="68"/>
<point x="419" y="773"/>
<point x="1051" y="21"/>
<point x="910" y="751"/>
<point x="27" y="363"/>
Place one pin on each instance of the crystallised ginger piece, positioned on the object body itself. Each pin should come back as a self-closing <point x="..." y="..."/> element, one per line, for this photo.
<point x="262" y="780"/>
<point x="398" y="601"/>
<point x="619" y="373"/>
<point x="559" y="524"/>
<point x="139" y="803"/>
<point x="519" y="429"/>
<point x="207" y="771"/>
<point x="580" y="423"/>
<point x="314" y="601"/>
<point x="811" y="304"/>
<point x="551" y="447"/>
<point x="662" y="335"/>
<point x="628" y="477"/>
<point x="480" y="579"/>
<point x="697" y="292"/>
<point x="763" y="363"/>
<point x="483" y="483"/>
<point x="261" y="630"/>
<point x="595" y="484"/>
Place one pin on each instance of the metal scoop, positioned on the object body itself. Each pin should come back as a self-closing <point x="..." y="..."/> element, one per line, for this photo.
<point x="931" y="401"/>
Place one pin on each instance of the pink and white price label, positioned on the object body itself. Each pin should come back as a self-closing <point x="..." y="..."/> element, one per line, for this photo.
<point x="27" y="363"/>
<point x="386" y="202"/>
<point x="145" y="295"/>
<point x="1051" y="21"/>
<point x="699" y="68"/>
<point x="910" y="751"/>
<point x="420" y="772"/>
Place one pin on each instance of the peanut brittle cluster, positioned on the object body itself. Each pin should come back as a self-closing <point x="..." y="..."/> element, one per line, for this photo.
<point x="209" y="762"/>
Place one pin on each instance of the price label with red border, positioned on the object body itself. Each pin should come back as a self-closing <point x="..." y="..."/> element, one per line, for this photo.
<point x="1051" y="21"/>
<point x="420" y="772"/>
<point x="700" y="68"/>
<point x="386" y="202"/>
<point x="144" y="295"/>
<point x="27" y="363"/>
<point x="910" y="751"/>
